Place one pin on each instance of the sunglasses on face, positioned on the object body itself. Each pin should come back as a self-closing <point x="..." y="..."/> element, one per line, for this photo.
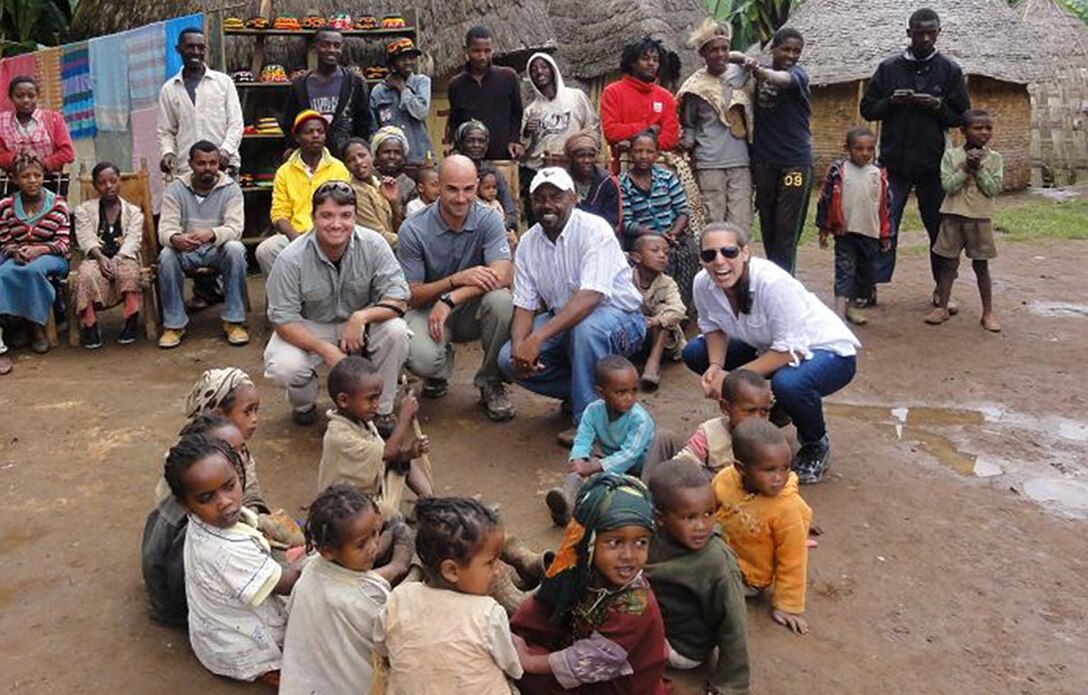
<point x="730" y="252"/>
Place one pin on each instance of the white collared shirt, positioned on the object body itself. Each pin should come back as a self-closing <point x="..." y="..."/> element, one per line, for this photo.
<point x="216" y="117"/>
<point x="785" y="317"/>
<point x="585" y="256"/>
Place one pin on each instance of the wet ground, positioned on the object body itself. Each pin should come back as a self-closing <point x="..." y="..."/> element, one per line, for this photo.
<point x="953" y="560"/>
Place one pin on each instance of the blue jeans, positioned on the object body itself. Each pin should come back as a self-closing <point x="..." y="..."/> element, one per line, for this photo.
<point x="570" y="358"/>
<point x="800" y="390"/>
<point x="229" y="259"/>
<point x="930" y="195"/>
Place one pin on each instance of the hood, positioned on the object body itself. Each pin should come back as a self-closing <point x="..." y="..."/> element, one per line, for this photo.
<point x="559" y="85"/>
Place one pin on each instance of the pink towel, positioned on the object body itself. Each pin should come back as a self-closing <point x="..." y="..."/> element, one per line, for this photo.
<point x="145" y="144"/>
<point x="24" y="64"/>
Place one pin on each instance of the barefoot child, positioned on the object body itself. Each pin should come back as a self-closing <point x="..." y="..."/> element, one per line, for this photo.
<point x="854" y="207"/>
<point x="446" y="634"/>
<point x="615" y="424"/>
<point x="661" y="304"/>
<point x="696" y="579"/>
<point x="765" y="520"/>
<point x="972" y="176"/>
<point x="336" y="602"/>
<point x="232" y="583"/>
<point x="353" y="452"/>
<point x="594" y="626"/>
<point x="426" y="190"/>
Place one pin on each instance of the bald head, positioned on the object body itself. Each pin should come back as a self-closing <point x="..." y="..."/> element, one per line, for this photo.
<point x="456" y="189"/>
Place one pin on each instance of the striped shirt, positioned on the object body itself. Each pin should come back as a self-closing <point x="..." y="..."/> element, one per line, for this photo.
<point x="623" y="441"/>
<point x="49" y="226"/>
<point x="657" y="208"/>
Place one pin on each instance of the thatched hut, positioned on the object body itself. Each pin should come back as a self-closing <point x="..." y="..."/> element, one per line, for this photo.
<point x="997" y="52"/>
<point x="1059" y="102"/>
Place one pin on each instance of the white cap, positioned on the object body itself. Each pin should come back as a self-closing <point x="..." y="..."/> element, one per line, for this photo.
<point x="556" y="176"/>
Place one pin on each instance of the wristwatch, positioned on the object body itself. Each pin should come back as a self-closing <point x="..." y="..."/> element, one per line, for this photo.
<point x="446" y="299"/>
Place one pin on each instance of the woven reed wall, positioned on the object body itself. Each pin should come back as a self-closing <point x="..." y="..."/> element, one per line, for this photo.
<point x="1059" y="133"/>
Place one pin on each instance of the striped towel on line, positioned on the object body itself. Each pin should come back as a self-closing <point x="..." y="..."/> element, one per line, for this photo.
<point x="109" y="80"/>
<point x="75" y="75"/>
<point x="146" y="60"/>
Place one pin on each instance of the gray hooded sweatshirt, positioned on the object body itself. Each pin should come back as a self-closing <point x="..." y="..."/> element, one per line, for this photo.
<point x="568" y="113"/>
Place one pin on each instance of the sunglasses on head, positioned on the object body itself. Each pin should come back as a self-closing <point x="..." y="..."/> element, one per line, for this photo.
<point x="334" y="186"/>
<point x="730" y="252"/>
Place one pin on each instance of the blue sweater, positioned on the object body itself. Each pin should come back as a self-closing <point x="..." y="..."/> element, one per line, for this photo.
<point x="623" y="441"/>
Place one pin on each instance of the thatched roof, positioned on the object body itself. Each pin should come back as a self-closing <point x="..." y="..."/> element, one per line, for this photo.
<point x="985" y="37"/>
<point x="520" y="26"/>
<point x="1064" y="37"/>
<point x="591" y="33"/>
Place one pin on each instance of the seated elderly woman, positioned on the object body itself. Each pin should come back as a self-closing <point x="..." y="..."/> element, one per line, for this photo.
<point x="109" y="231"/>
<point x="472" y="139"/>
<point x="755" y="315"/>
<point x="597" y="188"/>
<point x="33" y="249"/>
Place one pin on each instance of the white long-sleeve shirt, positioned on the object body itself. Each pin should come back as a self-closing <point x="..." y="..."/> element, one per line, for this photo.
<point x="216" y="116"/>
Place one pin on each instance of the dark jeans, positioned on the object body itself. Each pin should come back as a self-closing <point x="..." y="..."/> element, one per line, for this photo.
<point x="927" y="188"/>
<point x="856" y="257"/>
<point x="782" y="201"/>
<point x="799" y="390"/>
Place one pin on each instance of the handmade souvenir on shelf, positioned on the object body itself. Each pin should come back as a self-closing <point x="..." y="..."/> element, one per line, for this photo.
<point x="393" y="21"/>
<point x="286" y="22"/>
<point x="366" y="23"/>
<point x="341" y="21"/>
<point x="256" y="23"/>
<point x="273" y="73"/>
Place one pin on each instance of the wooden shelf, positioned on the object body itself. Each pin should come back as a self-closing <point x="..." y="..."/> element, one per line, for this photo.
<point x="263" y="136"/>
<point x="270" y="85"/>
<point x="309" y="33"/>
<point x="253" y="189"/>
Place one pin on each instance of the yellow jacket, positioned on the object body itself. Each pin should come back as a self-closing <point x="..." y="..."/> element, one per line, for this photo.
<point x="768" y="534"/>
<point x="294" y="186"/>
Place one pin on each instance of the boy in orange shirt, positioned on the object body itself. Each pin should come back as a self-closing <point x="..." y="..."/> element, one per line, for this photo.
<point x="765" y="520"/>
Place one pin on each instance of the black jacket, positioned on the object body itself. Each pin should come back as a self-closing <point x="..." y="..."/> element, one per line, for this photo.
<point x="912" y="139"/>
<point x="352" y="117"/>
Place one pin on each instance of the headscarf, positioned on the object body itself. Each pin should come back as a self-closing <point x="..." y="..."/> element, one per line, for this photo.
<point x="214" y="385"/>
<point x="467" y="127"/>
<point x="389" y="132"/>
<point x="607" y="501"/>
<point x="583" y="138"/>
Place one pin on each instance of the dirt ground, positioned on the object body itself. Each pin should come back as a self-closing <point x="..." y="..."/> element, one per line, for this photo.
<point x="935" y="575"/>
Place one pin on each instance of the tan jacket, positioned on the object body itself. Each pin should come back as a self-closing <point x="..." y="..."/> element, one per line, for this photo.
<point x="352" y="453"/>
<point x="132" y="223"/>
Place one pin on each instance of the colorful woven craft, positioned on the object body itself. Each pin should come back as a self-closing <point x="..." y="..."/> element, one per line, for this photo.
<point x="256" y="23"/>
<point x="341" y="21"/>
<point x="313" y="21"/>
<point x="233" y="23"/>
<point x="297" y="72"/>
<point x="286" y="22"/>
<point x="273" y="73"/>
<point x="366" y="23"/>
<point x="242" y="77"/>
<point x="268" y="126"/>
<point x="393" y="21"/>
<point x="375" y="73"/>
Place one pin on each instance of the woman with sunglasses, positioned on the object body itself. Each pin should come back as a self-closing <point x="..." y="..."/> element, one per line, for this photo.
<point x="757" y="316"/>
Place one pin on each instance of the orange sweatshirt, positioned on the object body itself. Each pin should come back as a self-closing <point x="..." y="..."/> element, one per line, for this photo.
<point x="768" y="534"/>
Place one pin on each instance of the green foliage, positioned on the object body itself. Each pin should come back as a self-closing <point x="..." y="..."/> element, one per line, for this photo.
<point x="753" y="20"/>
<point x="26" y="23"/>
<point x="1076" y="7"/>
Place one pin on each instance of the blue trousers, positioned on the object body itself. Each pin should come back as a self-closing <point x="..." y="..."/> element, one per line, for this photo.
<point x="927" y="188"/>
<point x="800" y="390"/>
<point x="570" y="358"/>
<point x="25" y="290"/>
<point x="229" y="259"/>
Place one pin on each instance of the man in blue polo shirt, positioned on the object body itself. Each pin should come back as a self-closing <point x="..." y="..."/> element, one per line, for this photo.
<point x="457" y="262"/>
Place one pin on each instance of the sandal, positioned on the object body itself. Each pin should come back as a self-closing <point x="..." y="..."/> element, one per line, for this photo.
<point x="6" y="365"/>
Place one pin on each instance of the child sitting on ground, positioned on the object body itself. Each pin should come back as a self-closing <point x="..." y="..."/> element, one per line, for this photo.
<point x="855" y="207"/>
<point x="487" y="192"/>
<point x="972" y="175"/>
<point x="616" y="424"/>
<point x="661" y="304"/>
<point x="336" y="602"/>
<point x="765" y="520"/>
<point x="426" y="190"/>
<point x="696" y="580"/>
<point x="232" y="583"/>
<point x="745" y="394"/>
<point x="353" y="452"/>
<point x="594" y="625"/>
<point x="447" y="635"/>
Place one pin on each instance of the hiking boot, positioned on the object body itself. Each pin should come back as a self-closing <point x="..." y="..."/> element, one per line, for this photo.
<point x="494" y="398"/>
<point x="90" y="336"/>
<point x="434" y="388"/>
<point x="306" y="417"/>
<point x="812" y="461"/>
<point x="529" y="565"/>
<point x="236" y="333"/>
<point x="171" y="338"/>
<point x="385" y="424"/>
<point x="130" y="331"/>
<point x="505" y="591"/>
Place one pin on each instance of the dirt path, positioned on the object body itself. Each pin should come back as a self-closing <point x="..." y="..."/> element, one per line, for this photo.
<point x="927" y="580"/>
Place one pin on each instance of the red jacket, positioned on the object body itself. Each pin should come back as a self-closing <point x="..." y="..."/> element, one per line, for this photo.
<point x="630" y="106"/>
<point x="830" y="217"/>
<point x="63" y="153"/>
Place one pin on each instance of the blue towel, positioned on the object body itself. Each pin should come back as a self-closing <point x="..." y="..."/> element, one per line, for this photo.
<point x="146" y="63"/>
<point x="173" y="31"/>
<point x="109" y="75"/>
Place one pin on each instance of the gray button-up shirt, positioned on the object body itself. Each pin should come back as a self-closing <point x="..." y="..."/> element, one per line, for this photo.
<point x="305" y="284"/>
<point x="429" y="250"/>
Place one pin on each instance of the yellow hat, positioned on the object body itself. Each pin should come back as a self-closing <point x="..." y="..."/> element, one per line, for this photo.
<point x="306" y="115"/>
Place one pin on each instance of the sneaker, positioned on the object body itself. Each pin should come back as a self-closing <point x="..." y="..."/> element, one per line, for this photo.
<point x="493" y="396"/>
<point x="812" y="461"/>
<point x="558" y="506"/>
<point x="385" y="424"/>
<point x="90" y="336"/>
<point x="305" y="417"/>
<point x="434" y="388"/>
<point x="854" y="316"/>
<point x="171" y="338"/>
<point x="236" y="333"/>
<point x="130" y="331"/>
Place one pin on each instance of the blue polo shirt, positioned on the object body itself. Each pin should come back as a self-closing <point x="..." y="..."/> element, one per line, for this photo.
<point x="428" y="250"/>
